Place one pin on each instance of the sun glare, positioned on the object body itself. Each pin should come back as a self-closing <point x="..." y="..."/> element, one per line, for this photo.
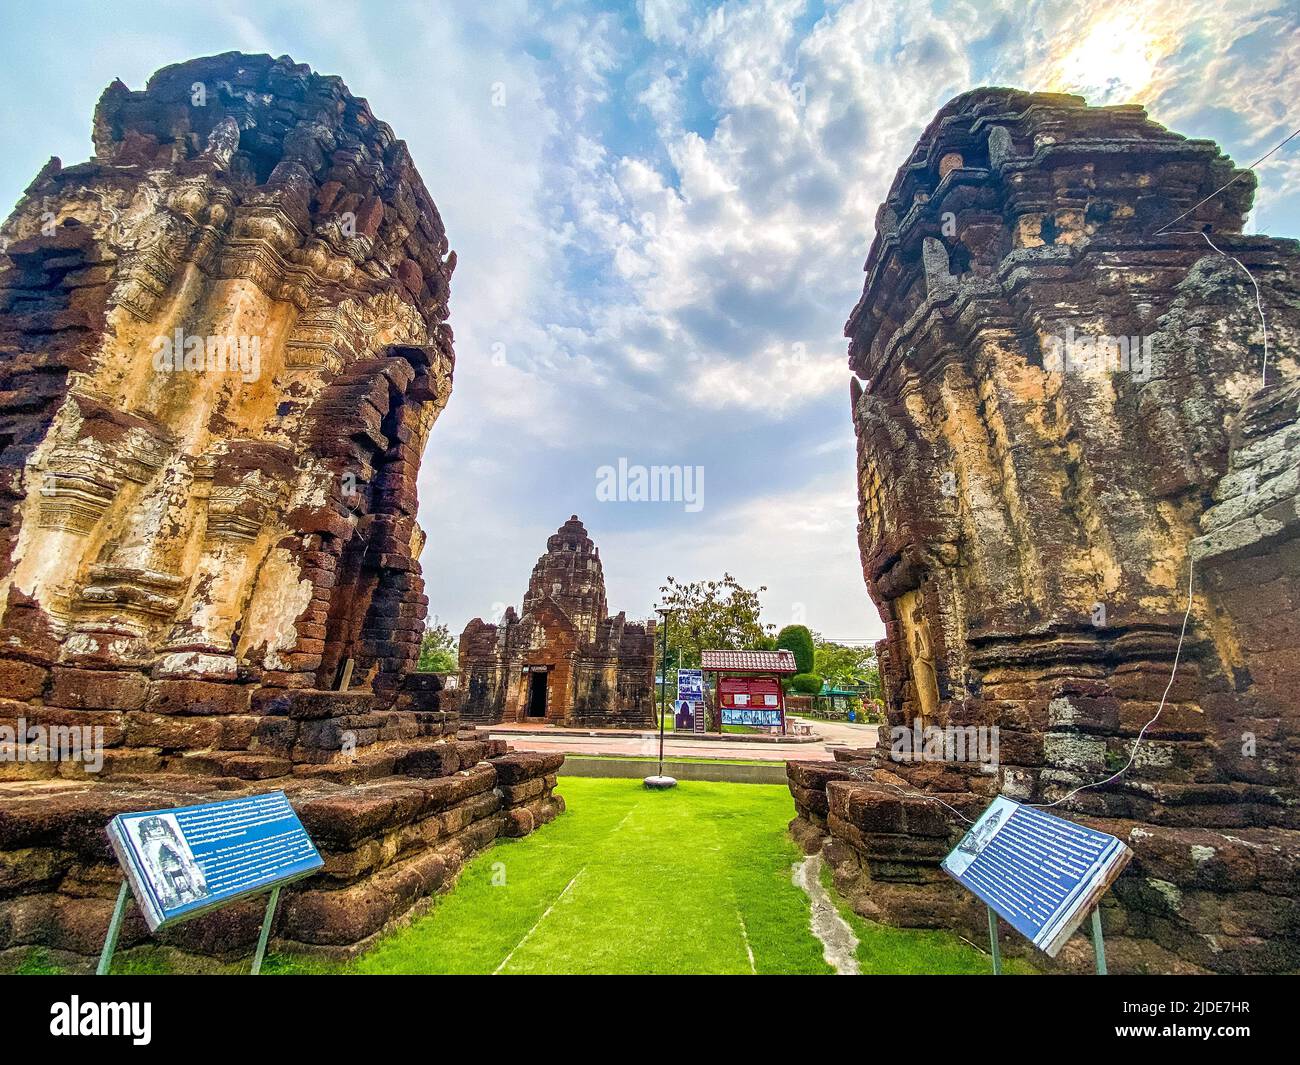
<point x="1114" y="62"/>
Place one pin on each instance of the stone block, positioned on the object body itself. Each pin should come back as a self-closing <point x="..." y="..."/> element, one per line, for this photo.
<point x="93" y="689"/>
<point x="197" y="697"/>
<point x="22" y="680"/>
<point x="518" y="766"/>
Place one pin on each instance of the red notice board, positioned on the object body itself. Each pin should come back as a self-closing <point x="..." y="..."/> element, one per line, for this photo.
<point x="751" y="701"/>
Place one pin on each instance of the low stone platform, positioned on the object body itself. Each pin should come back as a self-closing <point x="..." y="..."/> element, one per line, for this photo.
<point x="390" y="842"/>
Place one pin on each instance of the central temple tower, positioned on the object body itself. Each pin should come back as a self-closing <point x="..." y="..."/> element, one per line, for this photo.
<point x="562" y="660"/>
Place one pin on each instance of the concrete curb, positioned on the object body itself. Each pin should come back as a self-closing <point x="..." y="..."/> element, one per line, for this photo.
<point x="576" y="765"/>
<point x="685" y="737"/>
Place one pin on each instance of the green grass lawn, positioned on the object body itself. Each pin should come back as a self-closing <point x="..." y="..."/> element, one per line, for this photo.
<point x="884" y="950"/>
<point x="692" y="880"/>
<point x="670" y="757"/>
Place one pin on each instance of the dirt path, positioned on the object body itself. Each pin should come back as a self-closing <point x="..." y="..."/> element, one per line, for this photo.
<point x="839" y="944"/>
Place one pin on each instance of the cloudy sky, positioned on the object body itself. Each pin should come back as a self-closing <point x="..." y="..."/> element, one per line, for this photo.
<point x="661" y="210"/>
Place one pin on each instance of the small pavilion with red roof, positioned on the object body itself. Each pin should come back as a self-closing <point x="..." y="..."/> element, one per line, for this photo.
<point x="748" y="686"/>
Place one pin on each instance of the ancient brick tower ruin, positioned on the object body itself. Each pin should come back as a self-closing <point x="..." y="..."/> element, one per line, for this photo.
<point x="560" y="660"/>
<point x="223" y="345"/>
<point x="1060" y="403"/>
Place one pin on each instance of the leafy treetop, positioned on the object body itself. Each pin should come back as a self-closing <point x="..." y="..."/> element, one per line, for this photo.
<point x="707" y="614"/>
<point x="845" y="666"/>
<point x="799" y="639"/>
<point x="437" y="649"/>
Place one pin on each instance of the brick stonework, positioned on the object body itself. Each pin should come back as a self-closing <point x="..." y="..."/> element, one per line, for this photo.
<point x="1026" y="526"/>
<point x="198" y="561"/>
<point x="598" y="670"/>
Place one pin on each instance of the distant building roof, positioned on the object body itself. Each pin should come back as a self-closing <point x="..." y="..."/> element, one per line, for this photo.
<point x="751" y="661"/>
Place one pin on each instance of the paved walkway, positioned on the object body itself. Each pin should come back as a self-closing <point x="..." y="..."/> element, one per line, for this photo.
<point x="645" y="744"/>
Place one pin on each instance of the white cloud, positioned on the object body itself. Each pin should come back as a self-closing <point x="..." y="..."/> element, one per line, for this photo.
<point x="664" y="21"/>
<point x="662" y="231"/>
<point x="801" y="546"/>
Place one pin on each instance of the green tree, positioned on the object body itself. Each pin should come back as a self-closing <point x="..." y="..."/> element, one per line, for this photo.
<point x="846" y="666"/>
<point x="438" y="649"/>
<point x="806" y="683"/>
<point x="710" y="614"/>
<point x="799" y="639"/>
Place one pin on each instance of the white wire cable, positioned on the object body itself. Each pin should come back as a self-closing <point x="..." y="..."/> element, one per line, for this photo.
<point x="1236" y="177"/>
<point x="920" y="795"/>
<point x="1182" y="634"/>
<point x="1173" y="674"/>
<point x="1259" y="305"/>
<point x="1138" y="742"/>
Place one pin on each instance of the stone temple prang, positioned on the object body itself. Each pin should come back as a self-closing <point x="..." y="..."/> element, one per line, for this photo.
<point x="1062" y="417"/>
<point x="223" y="347"/>
<point x="560" y="660"/>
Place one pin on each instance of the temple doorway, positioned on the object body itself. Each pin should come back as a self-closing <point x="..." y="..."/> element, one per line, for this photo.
<point x="537" y="693"/>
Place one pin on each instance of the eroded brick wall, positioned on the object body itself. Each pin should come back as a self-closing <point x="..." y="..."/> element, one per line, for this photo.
<point x="1030" y="507"/>
<point x="223" y="347"/>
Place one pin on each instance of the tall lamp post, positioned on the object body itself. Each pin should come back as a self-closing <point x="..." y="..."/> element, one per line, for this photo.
<point x="659" y="781"/>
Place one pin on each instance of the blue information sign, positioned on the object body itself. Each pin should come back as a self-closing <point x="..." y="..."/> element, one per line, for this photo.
<point x="1040" y="873"/>
<point x="690" y="701"/>
<point x="748" y="715"/>
<point x="185" y="861"/>
<point x="690" y="685"/>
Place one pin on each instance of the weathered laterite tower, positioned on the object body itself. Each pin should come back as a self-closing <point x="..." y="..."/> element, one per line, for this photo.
<point x="223" y="345"/>
<point x="1031" y="505"/>
<point x="561" y="659"/>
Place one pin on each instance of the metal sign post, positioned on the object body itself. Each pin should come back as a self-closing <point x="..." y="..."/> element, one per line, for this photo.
<point x="1040" y="873"/>
<point x="266" y="929"/>
<point x="663" y="693"/>
<point x="119" y="914"/>
<point x="659" y="781"/>
<point x="114" y="927"/>
<point x="1098" y="943"/>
